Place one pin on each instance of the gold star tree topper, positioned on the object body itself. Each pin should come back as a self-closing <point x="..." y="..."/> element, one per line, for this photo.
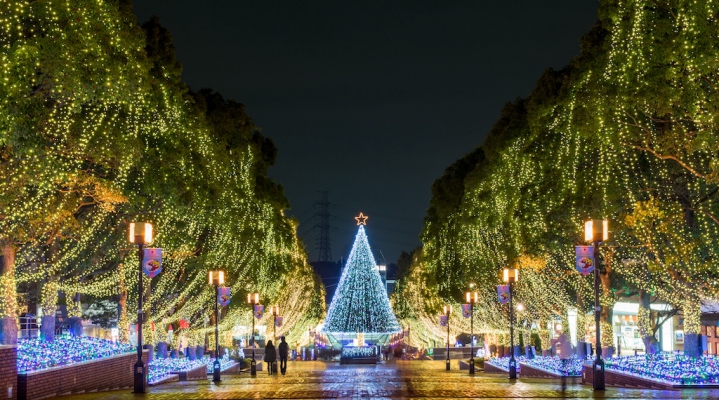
<point x="361" y="219"/>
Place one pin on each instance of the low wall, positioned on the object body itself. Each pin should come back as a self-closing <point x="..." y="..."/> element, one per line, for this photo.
<point x="108" y="373"/>
<point x="618" y="379"/>
<point x="8" y="372"/>
<point x="493" y="369"/>
<point x="232" y="369"/>
<point x="440" y="353"/>
<point x="259" y="353"/>
<point x="531" y="372"/>
<point x="193" y="374"/>
<point x="358" y="360"/>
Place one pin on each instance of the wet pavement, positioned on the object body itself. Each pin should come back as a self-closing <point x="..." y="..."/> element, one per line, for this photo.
<point x="394" y="380"/>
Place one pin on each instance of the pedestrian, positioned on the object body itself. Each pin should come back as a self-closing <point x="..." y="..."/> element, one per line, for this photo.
<point x="270" y="356"/>
<point x="284" y="352"/>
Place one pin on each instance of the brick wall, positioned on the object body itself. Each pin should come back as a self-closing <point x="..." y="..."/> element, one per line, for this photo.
<point x="492" y="369"/>
<point x="618" y="379"/>
<point x="8" y="372"/>
<point x="109" y="373"/>
<point x="193" y="374"/>
<point x="531" y="372"/>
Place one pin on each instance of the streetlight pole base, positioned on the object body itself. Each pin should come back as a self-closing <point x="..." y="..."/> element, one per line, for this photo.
<point x="140" y="377"/>
<point x="598" y="381"/>
<point x="471" y="366"/>
<point x="448" y="364"/>
<point x="216" y="371"/>
<point x="512" y="368"/>
<point x="253" y="367"/>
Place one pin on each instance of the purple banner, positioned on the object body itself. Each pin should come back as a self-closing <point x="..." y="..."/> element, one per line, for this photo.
<point x="278" y="321"/>
<point x="585" y="259"/>
<point x="503" y="293"/>
<point x="223" y="296"/>
<point x="152" y="262"/>
<point x="442" y="320"/>
<point x="259" y="311"/>
<point x="466" y="310"/>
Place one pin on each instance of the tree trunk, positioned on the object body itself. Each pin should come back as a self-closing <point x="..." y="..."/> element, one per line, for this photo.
<point x="692" y="326"/>
<point x="644" y="321"/>
<point x="8" y="291"/>
<point x="75" y="320"/>
<point x="49" y="306"/>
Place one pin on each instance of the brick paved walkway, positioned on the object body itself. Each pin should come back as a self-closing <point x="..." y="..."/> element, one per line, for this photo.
<point x="403" y="379"/>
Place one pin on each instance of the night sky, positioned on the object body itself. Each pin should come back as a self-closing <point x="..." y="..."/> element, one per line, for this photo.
<point x="370" y="101"/>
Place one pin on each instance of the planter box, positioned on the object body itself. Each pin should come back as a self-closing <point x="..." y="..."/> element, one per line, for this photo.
<point x="166" y="379"/>
<point x="493" y="369"/>
<point x="8" y="372"/>
<point x="529" y="371"/>
<point x="104" y="374"/>
<point x="232" y="369"/>
<point x="621" y="379"/>
<point x="193" y="374"/>
<point x="358" y="360"/>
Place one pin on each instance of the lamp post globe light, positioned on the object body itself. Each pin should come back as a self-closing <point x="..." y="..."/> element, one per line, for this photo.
<point x="253" y="299"/>
<point x="217" y="278"/>
<point x="511" y="275"/>
<point x="596" y="232"/>
<point x="140" y="234"/>
<point x="447" y="312"/>
<point x="471" y="297"/>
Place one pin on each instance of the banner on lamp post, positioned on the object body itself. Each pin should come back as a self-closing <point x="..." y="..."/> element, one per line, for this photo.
<point x="278" y="322"/>
<point x="466" y="310"/>
<point x="152" y="262"/>
<point x="223" y="296"/>
<point x="443" y="320"/>
<point x="259" y="311"/>
<point x="503" y="293"/>
<point x="584" y="256"/>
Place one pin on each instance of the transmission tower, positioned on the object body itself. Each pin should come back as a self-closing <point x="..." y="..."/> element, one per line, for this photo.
<point x="324" y="241"/>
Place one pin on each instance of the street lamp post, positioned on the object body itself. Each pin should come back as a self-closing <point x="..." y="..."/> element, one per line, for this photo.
<point x="253" y="299"/>
<point x="140" y="234"/>
<point x="511" y="275"/>
<point x="217" y="278"/>
<point x="447" y="312"/>
<point x="472" y="297"/>
<point x="597" y="231"/>
<point x="275" y="313"/>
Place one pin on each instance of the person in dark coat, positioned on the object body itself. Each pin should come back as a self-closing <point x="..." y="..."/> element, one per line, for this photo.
<point x="284" y="351"/>
<point x="270" y="356"/>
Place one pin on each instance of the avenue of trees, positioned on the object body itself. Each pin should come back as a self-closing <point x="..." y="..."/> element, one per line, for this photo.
<point x="626" y="132"/>
<point x="98" y="130"/>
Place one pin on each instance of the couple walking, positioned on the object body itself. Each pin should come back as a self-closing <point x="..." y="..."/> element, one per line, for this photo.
<point x="271" y="356"/>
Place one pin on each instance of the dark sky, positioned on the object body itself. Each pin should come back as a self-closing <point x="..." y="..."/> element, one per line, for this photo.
<point x="370" y="100"/>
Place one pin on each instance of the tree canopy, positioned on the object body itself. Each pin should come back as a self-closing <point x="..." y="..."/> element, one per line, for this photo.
<point x="627" y="132"/>
<point x="98" y="130"/>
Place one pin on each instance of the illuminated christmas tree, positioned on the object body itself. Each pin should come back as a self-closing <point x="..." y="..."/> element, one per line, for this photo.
<point x="360" y="304"/>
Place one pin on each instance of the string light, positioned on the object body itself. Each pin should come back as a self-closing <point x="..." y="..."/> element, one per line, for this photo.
<point x="37" y="354"/>
<point x="92" y="136"/>
<point x="360" y="304"/>
<point x="630" y="135"/>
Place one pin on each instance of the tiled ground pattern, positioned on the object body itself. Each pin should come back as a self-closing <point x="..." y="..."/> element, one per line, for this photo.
<point x="394" y="380"/>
